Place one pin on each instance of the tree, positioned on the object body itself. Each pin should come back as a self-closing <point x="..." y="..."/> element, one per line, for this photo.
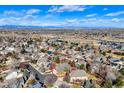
<point x="30" y="42"/>
<point x="78" y="49"/>
<point x="50" y="79"/>
<point x="109" y="51"/>
<point x="34" y="61"/>
<point x="72" y="64"/>
<point x="1" y="78"/>
<point x="86" y="46"/>
<point x="119" y="47"/>
<point x="71" y="47"/>
<point x="105" y="34"/>
<point x="37" y="77"/>
<point x="104" y="53"/>
<point x="108" y="84"/>
<point x="88" y="67"/>
<point x="66" y="42"/>
<point x="122" y="71"/>
<point x="122" y="58"/>
<point x="119" y="82"/>
<point x="57" y="60"/>
<point x="23" y="51"/>
<point x="82" y="66"/>
<point x="66" y="70"/>
<point x="67" y="78"/>
<point x="15" y="55"/>
<point x="43" y="50"/>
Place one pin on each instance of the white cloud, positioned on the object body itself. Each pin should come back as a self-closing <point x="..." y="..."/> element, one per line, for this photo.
<point x="48" y="20"/>
<point x="71" y="20"/>
<point x="101" y="20"/>
<point x="95" y="22"/>
<point x="87" y="19"/>
<point x="105" y="9"/>
<point x="49" y="16"/>
<point x="25" y="20"/>
<point x="21" y="12"/>
<point x="115" y="19"/>
<point x="91" y="15"/>
<point x="9" y="21"/>
<point x="53" y="24"/>
<point x="115" y="13"/>
<point x="91" y="19"/>
<point x="85" y="22"/>
<point x="12" y="12"/>
<point x="29" y="18"/>
<point x="32" y="11"/>
<point x="53" y="9"/>
<point x="66" y="8"/>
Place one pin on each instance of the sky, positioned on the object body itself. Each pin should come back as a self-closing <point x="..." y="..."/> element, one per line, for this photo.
<point x="111" y="16"/>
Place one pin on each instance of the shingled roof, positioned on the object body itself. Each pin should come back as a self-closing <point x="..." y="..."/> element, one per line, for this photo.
<point x="78" y="73"/>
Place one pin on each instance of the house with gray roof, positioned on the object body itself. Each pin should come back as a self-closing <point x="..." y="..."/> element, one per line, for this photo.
<point x="63" y="67"/>
<point x="78" y="75"/>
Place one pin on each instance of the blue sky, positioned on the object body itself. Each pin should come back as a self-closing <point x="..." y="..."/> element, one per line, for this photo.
<point x="64" y="16"/>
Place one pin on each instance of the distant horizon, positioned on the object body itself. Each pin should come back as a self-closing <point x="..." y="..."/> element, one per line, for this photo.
<point x="64" y="16"/>
<point x="53" y="27"/>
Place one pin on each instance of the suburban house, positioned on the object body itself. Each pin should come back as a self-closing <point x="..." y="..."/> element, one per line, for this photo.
<point x="62" y="68"/>
<point x="78" y="76"/>
<point x="116" y="63"/>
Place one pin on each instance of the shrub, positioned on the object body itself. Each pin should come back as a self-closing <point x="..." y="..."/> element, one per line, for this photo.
<point x="82" y="66"/>
<point x="119" y="83"/>
<point x="108" y="84"/>
<point x="109" y="51"/>
<point x="57" y="60"/>
<point x="122" y="71"/>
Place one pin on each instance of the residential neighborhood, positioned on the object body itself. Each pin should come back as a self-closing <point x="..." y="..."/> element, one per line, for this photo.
<point x="32" y="58"/>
